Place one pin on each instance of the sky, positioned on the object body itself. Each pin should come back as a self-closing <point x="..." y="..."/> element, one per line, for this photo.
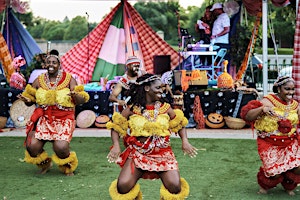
<point x="93" y="10"/>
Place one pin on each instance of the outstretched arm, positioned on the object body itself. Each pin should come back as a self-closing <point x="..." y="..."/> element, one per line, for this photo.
<point x="187" y="148"/>
<point x="115" y="150"/>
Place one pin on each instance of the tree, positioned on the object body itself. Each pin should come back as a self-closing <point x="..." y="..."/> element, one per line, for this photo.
<point x="161" y="16"/>
<point x="77" y="29"/>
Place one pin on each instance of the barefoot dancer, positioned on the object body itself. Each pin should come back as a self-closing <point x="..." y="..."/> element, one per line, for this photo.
<point x="56" y="93"/>
<point x="275" y="119"/>
<point x="148" y="154"/>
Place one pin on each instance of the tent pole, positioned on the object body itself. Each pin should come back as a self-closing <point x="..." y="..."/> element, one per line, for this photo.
<point x="265" y="45"/>
<point x="297" y="4"/>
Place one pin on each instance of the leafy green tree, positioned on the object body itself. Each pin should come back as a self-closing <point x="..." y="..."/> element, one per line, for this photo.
<point x="161" y="16"/>
<point x="77" y="29"/>
<point x="48" y="31"/>
<point x="283" y="21"/>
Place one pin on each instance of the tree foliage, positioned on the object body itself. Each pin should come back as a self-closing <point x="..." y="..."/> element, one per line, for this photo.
<point x="167" y="17"/>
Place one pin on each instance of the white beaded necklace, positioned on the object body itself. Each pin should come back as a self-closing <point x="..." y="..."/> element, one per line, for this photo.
<point x="146" y="113"/>
<point x="57" y="80"/>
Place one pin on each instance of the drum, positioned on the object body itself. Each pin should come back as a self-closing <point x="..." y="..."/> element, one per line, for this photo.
<point x="101" y="121"/>
<point x="85" y="118"/>
<point x="20" y="113"/>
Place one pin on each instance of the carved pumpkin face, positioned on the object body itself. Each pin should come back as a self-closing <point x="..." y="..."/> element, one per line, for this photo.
<point x="215" y="120"/>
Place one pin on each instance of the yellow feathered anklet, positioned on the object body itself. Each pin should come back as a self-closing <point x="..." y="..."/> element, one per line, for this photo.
<point x="134" y="194"/>
<point x="67" y="165"/>
<point x="185" y="190"/>
<point x="42" y="161"/>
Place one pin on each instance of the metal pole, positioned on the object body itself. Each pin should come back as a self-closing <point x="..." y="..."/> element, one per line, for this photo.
<point x="265" y="45"/>
<point x="88" y="47"/>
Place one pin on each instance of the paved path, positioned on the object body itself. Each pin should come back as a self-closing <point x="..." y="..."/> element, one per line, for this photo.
<point x="245" y="133"/>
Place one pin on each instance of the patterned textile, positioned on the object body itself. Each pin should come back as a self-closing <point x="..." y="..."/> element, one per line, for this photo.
<point x="279" y="152"/>
<point x="278" y="157"/>
<point x="17" y="80"/>
<point x="6" y="59"/>
<point x="153" y="155"/>
<point x="55" y="118"/>
<point x="296" y="57"/>
<point x="144" y="43"/>
<point x="59" y="125"/>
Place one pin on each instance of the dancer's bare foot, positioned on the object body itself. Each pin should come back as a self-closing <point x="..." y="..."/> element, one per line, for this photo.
<point x="46" y="168"/>
<point x="70" y="174"/>
<point x="262" y="191"/>
<point x="290" y="192"/>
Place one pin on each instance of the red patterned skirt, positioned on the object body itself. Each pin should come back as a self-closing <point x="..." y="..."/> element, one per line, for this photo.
<point x="279" y="153"/>
<point x="53" y="124"/>
<point x="152" y="156"/>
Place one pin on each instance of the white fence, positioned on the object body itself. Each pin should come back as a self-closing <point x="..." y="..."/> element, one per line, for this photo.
<point x="277" y="65"/>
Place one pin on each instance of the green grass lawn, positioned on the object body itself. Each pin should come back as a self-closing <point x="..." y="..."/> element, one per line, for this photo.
<point x="223" y="169"/>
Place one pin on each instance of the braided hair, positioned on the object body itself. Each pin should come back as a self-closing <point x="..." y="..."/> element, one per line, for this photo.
<point x="137" y="91"/>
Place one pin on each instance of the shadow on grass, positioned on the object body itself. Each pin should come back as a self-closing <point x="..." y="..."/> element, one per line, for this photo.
<point x="223" y="169"/>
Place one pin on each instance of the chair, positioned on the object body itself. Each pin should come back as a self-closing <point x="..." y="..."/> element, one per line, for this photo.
<point x="220" y="57"/>
<point x="216" y="64"/>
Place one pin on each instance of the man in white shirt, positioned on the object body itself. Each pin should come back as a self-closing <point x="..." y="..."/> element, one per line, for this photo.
<point x="221" y="29"/>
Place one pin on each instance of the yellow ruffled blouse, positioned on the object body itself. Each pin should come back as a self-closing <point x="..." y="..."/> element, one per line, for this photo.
<point x="148" y="125"/>
<point x="268" y="123"/>
<point x="54" y="97"/>
<point x="58" y="96"/>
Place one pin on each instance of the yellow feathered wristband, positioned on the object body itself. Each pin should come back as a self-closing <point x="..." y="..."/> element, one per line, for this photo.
<point x="119" y="124"/>
<point x="29" y="92"/>
<point x="80" y="90"/>
<point x="178" y="122"/>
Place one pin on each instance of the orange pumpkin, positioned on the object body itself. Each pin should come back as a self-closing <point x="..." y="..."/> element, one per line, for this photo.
<point x="101" y="121"/>
<point x="215" y="120"/>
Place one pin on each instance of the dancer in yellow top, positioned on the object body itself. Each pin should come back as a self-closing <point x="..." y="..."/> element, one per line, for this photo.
<point x="56" y="93"/>
<point x="148" y="153"/>
<point x="275" y="119"/>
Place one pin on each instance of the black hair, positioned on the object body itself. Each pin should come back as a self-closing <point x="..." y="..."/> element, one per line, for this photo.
<point x="137" y="92"/>
<point x="280" y="82"/>
<point x="54" y="52"/>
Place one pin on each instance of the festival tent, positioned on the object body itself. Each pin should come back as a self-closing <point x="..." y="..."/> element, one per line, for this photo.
<point x="121" y="34"/>
<point x="18" y="39"/>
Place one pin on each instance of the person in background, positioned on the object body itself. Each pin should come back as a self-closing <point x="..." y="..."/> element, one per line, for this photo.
<point x="17" y="79"/>
<point x="132" y="73"/>
<point x="220" y="30"/>
<point x="56" y="93"/>
<point x="275" y="119"/>
<point x="206" y="25"/>
<point x="148" y="154"/>
<point x="221" y="26"/>
<point x="54" y="52"/>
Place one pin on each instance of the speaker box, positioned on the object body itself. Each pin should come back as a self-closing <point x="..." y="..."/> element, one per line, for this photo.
<point x="162" y="64"/>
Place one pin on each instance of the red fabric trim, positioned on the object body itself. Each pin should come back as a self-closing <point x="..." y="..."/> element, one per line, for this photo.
<point x="277" y="140"/>
<point x="292" y="176"/>
<point x="249" y="106"/>
<point x="288" y="184"/>
<point x="265" y="182"/>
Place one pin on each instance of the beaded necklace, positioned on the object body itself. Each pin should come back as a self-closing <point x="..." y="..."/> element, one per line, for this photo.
<point x="146" y="113"/>
<point x="51" y="85"/>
